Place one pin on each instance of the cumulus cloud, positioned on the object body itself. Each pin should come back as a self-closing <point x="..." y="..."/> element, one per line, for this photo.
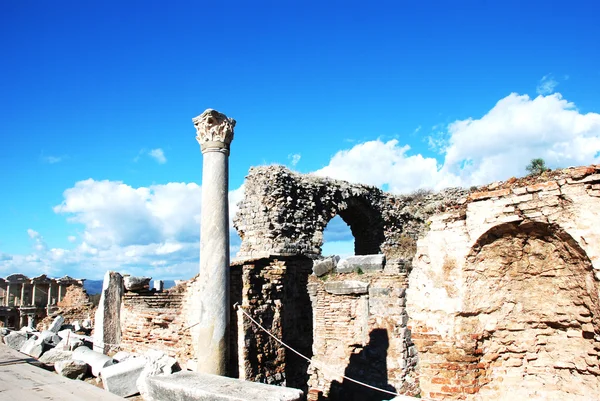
<point x="475" y="151"/>
<point x="158" y="155"/>
<point x="547" y="84"/>
<point x="141" y="231"/>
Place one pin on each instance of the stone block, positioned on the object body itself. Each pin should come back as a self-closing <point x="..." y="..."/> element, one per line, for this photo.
<point x="191" y="386"/>
<point x="107" y="331"/>
<point x="96" y="360"/>
<point x="15" y="340"/>
<point x="71" y="369"/>
<point x="54" y="355"/>
<point x="324" y="266"/>
<point x="133" y="283"/>
<point x="32" y="348"/>
<point x="120" y="378"/>
<point x="347" y="287"/>
<point x="366" y="263"/>
<point x="56" y="324"/>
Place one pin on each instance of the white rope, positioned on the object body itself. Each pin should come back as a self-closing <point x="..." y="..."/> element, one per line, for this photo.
<point x="310" y="361"/>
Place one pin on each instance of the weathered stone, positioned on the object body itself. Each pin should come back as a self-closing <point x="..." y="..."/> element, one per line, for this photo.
<point x="324" y="266"/>
<point x="364" y="263"/>
<point x="107" y="331"/>
<point x="215" y="132"/>
<point x="47" y="337"/>
<point x="72" y="369"/>
<point x="95" y="360"/>
<point x="15" y="340"/>
<point x="32" y="347"/>
<point x="197" y="386"/>
<point x="54" y="355"/>
<point x="133" y="283"/>
<point x="57" y="324"/>
<point x="120" y="378"/>
<point x="159" y="285"/>
<point x="347" y="287"/>
<point x="158" y="364"/>
<point x="121" y="356"/>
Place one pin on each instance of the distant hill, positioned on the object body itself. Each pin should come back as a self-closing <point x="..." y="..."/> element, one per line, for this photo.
<point x="93" y="287"/>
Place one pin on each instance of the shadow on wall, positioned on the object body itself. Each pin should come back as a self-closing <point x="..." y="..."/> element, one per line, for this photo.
<point x="368" y="366"/>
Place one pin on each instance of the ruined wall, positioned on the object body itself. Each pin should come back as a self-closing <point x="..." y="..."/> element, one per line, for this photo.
<point x="273" y="292"/>
<point x="157" y="320"/>
<point x="362" y="335"/>
<point x="503" y="298"/>
<point x="284" y="213"/>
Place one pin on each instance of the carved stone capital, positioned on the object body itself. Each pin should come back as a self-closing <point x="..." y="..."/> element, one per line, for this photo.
<point x="214" y="131"/>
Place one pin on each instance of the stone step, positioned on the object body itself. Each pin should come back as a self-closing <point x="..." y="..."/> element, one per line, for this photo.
<point x="192" y="386"/>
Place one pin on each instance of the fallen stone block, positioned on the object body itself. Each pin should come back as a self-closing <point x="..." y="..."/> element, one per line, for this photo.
<point x="191" y="386"/>
<point x="324" y="266"/>
<point x="72" y="369"/>
<point x="32" y="348"/>
<point x="15" y="340"/>
<point x="158" y="363"/>
<point x="122" y="356"/>
<point x="57" y="324"/>
<point x="133" y="283"/>
<point x="366" y="263"/>
<point x="96" y="360"/>
<point x="121" y="378"/>
<point x="347" y="287"/>
<point x="48" y="337"/>
<point x="54" y="355"/>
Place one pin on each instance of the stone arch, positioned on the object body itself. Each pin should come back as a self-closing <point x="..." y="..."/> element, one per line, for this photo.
<point x="531" y="302"/>
<point x="365" y="222"/>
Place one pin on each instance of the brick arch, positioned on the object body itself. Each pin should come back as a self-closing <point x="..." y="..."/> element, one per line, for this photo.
<point x="531" y="305"/>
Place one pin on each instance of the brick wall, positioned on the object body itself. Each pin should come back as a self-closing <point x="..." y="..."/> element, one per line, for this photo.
<point x="362" y="336"/>
<point x="156" y="320"/>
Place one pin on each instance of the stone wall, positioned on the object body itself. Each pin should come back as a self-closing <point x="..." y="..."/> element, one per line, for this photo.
<point x="157" y="320"/>
<point x="504" y="295"/>
<point x="360" y="332"/>
<point x="274" y="294"/>
<point x="284" y="213"/>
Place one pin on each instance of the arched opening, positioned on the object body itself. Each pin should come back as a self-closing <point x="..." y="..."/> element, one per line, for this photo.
<point x="531" y="294"/>
<point x="356" y="221"/>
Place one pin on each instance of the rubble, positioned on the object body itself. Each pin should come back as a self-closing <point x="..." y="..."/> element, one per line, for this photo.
<point x="133" y="283"/>
<point x="121" y="378"/>
<point x="72" y="369"/>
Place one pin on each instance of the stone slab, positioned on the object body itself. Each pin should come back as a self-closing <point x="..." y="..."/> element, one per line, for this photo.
<point x="366" y="263"/>
<point x="120" y="378"/>
<point x="96" y="360"/>
<point x="347" y="287"/>
<point x="324" y="266"/>
<point x="192" y="386"/>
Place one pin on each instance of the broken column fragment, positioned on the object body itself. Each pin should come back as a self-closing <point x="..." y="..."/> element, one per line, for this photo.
<point x="107" y="331"/>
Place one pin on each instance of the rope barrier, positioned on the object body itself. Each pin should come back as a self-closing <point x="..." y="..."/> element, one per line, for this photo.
<point x="237" y="306"/>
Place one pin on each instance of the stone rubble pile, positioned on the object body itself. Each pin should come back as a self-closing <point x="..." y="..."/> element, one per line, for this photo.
<point x="69" y="350"/>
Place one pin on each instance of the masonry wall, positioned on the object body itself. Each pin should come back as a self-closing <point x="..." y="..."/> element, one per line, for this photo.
<point x="157" y="320"/>
<point x="361" y="335"/>
<point x="503" y="298"/>
<point x="274" y="294"/>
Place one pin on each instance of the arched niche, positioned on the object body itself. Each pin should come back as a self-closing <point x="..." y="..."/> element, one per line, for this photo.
<point x="531" y="298"/>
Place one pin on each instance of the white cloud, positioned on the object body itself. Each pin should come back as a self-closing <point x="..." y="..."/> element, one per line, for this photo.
<point x="51" y="159"/>
<point x="479" y="150"/>
<point x="294" y="159"/>
<point x="546" y="85"/>
<point x="158" y="155"/>
<point x="151" y="230"/>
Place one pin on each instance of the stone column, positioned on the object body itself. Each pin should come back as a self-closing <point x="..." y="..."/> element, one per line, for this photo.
<point x="22" y="300"/>
<point x="215" y="133"/>
<point x="33" y="294"/>
<point x="50" y="294"/>
<point x="7" y="294"/>
<point x="60" y="288"/>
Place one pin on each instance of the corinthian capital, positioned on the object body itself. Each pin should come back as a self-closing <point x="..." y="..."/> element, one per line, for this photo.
<point x="214" y="130"/>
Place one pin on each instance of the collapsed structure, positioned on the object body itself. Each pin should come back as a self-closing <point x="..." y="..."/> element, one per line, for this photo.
<point x="458" y="295"/>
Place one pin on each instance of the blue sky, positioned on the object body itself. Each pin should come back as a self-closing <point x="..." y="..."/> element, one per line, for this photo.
<point x="97" y="101"/>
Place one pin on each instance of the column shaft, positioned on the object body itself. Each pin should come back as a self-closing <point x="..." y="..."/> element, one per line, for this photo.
<point x="22" y="300"/>
<point x="214" y="263"/>
<point x="49" y="294"/>
<point x="33" y="294"/>
<point x="7" y="295"/>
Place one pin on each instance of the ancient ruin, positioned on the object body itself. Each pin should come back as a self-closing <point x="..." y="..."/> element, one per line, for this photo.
<point x="480" y="294"/>
<point x="25" y="301"/>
